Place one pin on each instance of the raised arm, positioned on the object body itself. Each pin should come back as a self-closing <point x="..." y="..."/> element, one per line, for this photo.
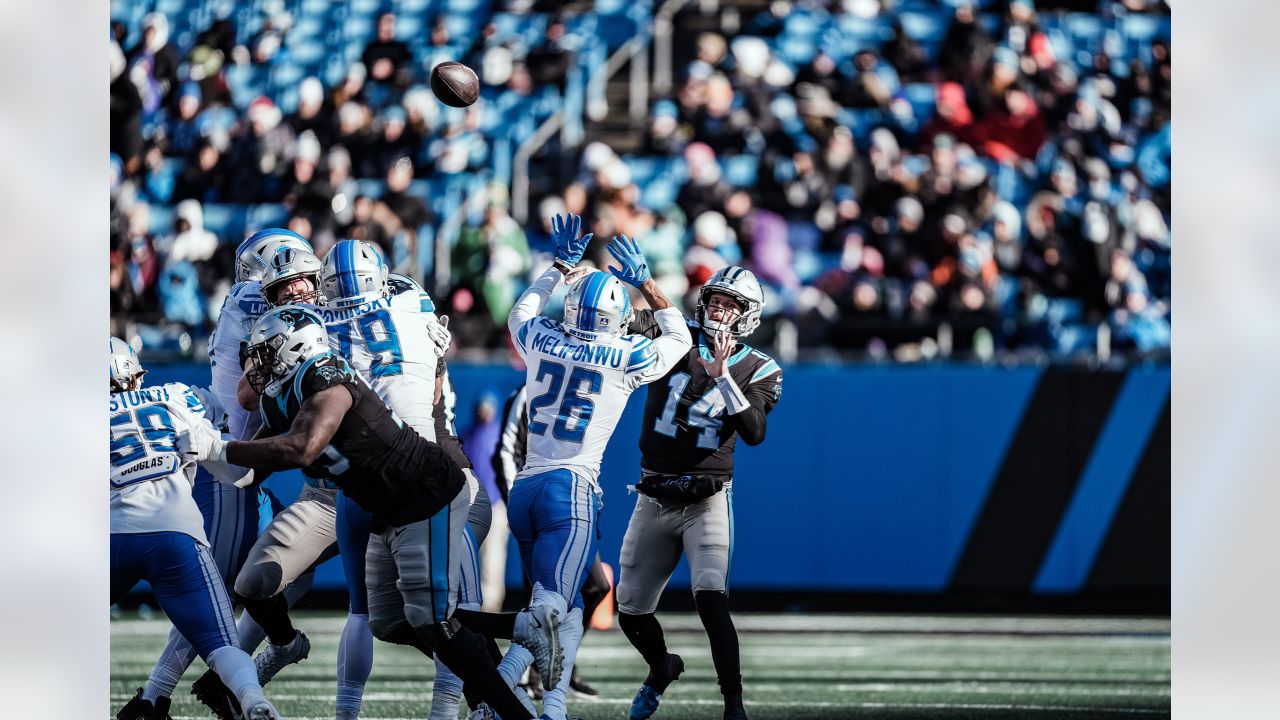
<point x="569" y="249"/>
<point x="651" y="360"/>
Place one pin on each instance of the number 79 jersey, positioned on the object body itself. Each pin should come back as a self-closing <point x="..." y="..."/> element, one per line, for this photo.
<point x="390" y="348"/>
<point x="576" y="392"/>
<point x="150" y="484"/>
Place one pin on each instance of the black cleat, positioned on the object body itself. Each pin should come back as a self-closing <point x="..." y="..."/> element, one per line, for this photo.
<point x="735" y="714"/>
<point x="670" y="670"/>
<point x="580" y="686"/>
<point x="139" y="709"/>
<point x="210" y="691"/>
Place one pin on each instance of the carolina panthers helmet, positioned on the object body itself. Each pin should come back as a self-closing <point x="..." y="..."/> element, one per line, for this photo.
<point x="741" y="285"/>
<point x="281" y="340"/>
<point x="251" y="262"/>
<point x="125" y="366"/>
<point x="285" y="264"/>
<point x="405" y="292"/>
<point x="354" y="274"/>
<point x="597" y="305"/>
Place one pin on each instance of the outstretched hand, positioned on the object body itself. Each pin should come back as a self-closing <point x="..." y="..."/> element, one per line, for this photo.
<point x="569" y="247"/>
<point x="722" y="347"/>
<point x="634" y="270"/>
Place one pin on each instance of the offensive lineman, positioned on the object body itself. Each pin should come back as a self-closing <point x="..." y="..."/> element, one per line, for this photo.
<point x="157" y="532"/>
<point x="230" y="513"/>
<point x="580" y="373"/>
<point x="320" y="416"/>
<point x="692" y="419"/>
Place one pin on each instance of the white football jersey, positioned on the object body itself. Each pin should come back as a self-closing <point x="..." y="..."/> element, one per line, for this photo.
<point x="577" y="390"/>
<point x="241" y="309"/>
<point x="150" y="482"/>
<point x="389" y="346"/>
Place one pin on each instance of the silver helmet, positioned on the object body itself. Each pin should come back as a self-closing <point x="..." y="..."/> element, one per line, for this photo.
<point x="286" y="264"/>
<point x="597" y="304"/>
<point x="251" y="256"/>
<point x="405" y="292"/>
<point x="125" y="366"/>
<point x="741" y="285"/>
<point x="281" y="340"/>
<point x="354" y="274"/>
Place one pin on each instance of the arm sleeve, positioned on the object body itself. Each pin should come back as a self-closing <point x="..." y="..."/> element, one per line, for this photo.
<point x="530" y="305"/>
<point x="506" y="455"/>
<point x="651" y="359"/>
<point x="746" y="411"/>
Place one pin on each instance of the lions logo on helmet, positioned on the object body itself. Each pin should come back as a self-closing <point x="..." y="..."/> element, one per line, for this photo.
<point x="281" y="341"/>
<point x="251" y="256"/>
<point x="741" y="285"/>
<point x="353" y="275"/>
<point x="596" y="305"/>
<point x="286" y="264"/>
<point x="125" y="366"/>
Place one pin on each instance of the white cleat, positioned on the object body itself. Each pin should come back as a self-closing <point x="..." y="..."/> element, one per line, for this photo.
<point x="538" y="630"/>
<point x="275" y="657"/>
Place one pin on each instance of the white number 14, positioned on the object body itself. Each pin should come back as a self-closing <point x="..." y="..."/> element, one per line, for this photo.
<point x="705" y="414"/>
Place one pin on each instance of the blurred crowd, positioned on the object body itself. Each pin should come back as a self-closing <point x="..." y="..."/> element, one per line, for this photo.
<point x="1001" y="184"/>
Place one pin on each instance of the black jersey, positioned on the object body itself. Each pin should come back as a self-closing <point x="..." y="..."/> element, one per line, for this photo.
<point x="685" y="428"/>
<point x="374" y="457"/>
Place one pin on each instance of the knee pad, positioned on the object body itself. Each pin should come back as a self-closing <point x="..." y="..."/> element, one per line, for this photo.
<point x="260" y="581"/>
<point x="384" y="627"/>
<point x="708" y="580"/>
<point x="420" y="614"/>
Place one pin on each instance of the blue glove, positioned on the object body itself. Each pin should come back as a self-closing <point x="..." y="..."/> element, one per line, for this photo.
<point x="569" y="247"/>
<point x="635" y="271"/>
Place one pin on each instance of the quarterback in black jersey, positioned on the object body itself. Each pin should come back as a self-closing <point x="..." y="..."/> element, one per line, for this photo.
<point x="320" y="416"/>
<point x="693" y="417"/>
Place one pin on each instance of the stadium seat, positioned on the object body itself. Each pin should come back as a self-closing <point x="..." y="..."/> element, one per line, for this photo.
<point x="263" y="216"/>
<point x="924" y="27"/>
<point x="923" y="98"/>
<point x="226" y="220"/>
<point x="1075" y="338"/>
<point x="740" y="170"/>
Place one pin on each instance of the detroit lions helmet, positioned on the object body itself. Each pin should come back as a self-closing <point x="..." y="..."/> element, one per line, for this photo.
<point x="251" y="256"/>
<point x="286" y="264"/>
<point x="354" y="274"/>
<point x="281" y="340"/>
<point x="597" y="305"/>
<point x="125" y="366"/>
<point x="741" y="285"/>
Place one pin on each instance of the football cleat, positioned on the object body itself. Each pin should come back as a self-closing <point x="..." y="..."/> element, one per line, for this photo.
<point x="538" y="630"/>
<point x="275" y="657"/>
<point x="210" y="691"/>
<point x="735" y="714"/>
<point x="139" y="709"/>
<point x="482" y="712"/>
<point x="262" y="710"/>
<point x="580" y="686"/>
<point x="646" y="701"/>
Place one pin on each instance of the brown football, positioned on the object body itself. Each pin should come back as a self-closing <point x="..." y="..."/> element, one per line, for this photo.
<point x="455" y="84"/>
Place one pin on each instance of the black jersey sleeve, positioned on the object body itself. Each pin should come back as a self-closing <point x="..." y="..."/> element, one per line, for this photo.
<point x="642" y="323"/>
<point x="762" y="393"/>
<point x="325" y="373"/>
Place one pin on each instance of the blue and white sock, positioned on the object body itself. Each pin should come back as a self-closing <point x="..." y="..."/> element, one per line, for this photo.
<point x="174" y="660"/>
<point x="355" y="662"/>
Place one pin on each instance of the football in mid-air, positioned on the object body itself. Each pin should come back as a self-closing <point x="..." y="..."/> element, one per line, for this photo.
<point x="455" y="84"/>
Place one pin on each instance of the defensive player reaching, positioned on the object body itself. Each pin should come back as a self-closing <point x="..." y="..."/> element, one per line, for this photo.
<point x="319" y="415"/>
<point x="580" y="373"/>
<point x="693" y="417"/>
<point x="157" y="532"/>
<point x="230" y="513"/>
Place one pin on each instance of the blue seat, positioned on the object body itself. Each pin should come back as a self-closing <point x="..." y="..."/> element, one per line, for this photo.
<point x="371" y="187"/>
<point x="226" y="220"/>
<point x="358" y="27"/>
<point x="246" y="82"/>
<point x="740" y="170"/>
<point x="923" y="98"/>
<point x="659" y="193"/>
<point x="409" y="28"/>
<point x="863" y="30"/>
<point x="924" y="27"/>
<point x="264" y="216"/>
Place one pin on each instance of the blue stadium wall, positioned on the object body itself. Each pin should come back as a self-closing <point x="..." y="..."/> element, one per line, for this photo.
<point x="928" y="487"/>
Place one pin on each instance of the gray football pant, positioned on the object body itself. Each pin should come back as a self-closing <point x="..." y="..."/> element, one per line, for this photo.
<point x="304" y="534"/>
<point x="659" y="532"/>
<point x="413" y="571"/>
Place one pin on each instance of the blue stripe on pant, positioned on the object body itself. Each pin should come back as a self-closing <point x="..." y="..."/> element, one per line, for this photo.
<point x="553" y="518"/>
<point x="230" y="522"/>
<point x="185" y="581"/>
<point x="440" y="563"/>
<point x="354" y="524"/>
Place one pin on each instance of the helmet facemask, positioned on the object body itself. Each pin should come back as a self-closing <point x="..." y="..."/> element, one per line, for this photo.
<point x="291" y="295"/>
<point x="263" y="365"/>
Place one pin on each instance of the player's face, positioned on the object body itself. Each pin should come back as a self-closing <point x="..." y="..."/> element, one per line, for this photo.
<point x="724" y="309"/>
<point x="297" y="290"/>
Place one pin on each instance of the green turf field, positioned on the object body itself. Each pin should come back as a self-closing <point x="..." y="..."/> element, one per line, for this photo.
<point x="795" y="667"/>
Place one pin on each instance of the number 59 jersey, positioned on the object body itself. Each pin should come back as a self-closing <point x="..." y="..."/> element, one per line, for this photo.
<point x="577" y="390"/>
<point x="390" y="348"/>
<point x="150" y="483"/>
